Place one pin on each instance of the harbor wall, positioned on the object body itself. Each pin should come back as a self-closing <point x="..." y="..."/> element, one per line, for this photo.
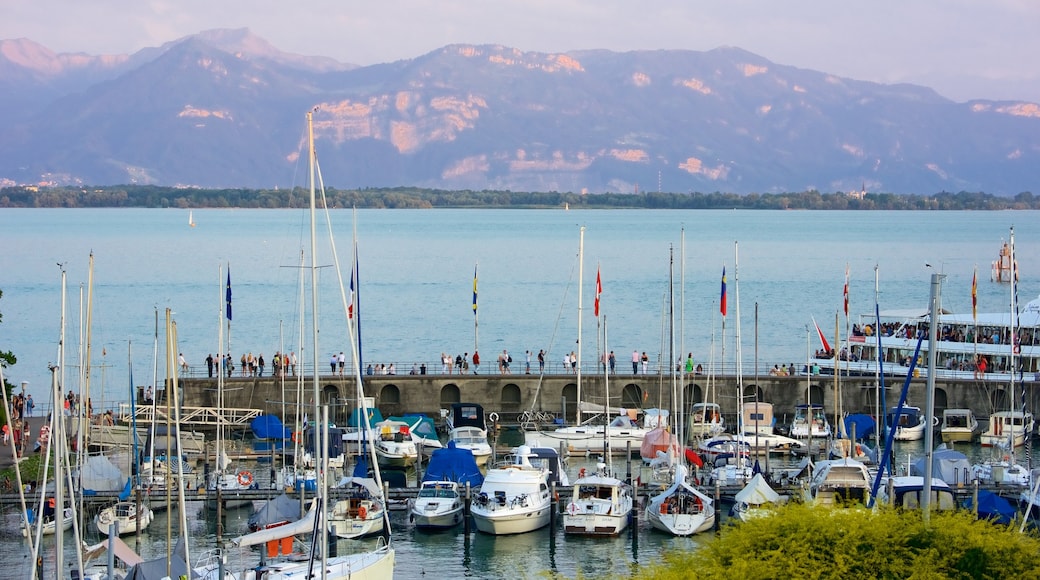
<point x="511" y="395"/>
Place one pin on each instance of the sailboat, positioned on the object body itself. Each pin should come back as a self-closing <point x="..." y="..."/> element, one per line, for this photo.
<point x="601" y="504"/>
<point x="680" y="509"/>
<point x="191" y="219"/>
<point x="377" y="563"/>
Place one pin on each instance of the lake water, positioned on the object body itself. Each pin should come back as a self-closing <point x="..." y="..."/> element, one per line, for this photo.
<point x="416" y="283"/>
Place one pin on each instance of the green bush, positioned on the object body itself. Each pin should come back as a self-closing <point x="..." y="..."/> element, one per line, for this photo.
<point x="800" y="541"/>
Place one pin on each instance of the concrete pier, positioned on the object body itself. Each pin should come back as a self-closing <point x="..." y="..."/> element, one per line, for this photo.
<point x="511" y="395"/>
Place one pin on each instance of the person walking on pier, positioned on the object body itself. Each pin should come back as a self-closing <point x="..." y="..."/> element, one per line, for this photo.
<point x="635" y="362"/>
<point x="342" y="362"/>
<point x="333" y="361"/>
<point x="476" y="362"/>
<point x="209" y="365"/>
<point x="541" y="361"/>
<point x="646" y="363"/>
<point x="612" y="362"/>
<point x="292" y="362"/>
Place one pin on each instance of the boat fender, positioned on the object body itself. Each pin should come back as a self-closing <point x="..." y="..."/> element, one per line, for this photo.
<point x="362" y="512"/>
<point x="245" y="478"/>
<point x="581" y="473"/>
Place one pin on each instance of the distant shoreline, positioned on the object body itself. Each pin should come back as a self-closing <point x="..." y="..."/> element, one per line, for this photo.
<point x="151" y="196"/>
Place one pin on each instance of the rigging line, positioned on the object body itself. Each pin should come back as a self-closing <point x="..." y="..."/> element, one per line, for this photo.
<point x="556" y="328"/>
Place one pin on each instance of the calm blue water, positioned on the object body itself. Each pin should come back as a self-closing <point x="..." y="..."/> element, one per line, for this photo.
<point x="416" y="276"/>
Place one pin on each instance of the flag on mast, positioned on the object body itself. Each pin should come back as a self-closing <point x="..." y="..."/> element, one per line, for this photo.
<point x="227" y="296"/>
<point x="722" y="298"/>
<point x="474" y="289"/>
<point x="599" y="290"/>
<point x="846" y="292"/>
<point x="353" y="282"/>
<point x="823" y="339"/>
<point x="975" y="294"/>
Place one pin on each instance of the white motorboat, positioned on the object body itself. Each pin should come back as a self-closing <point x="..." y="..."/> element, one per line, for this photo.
<point x="838" y="480"/>
<point x="439" y="505"/>
<point x="124" y="516"/>
<point x="622" y="434"/>
<point x="359" y="514"/>
<point x="601" y="505"/>
<point x="909" y="426"/>
<point x="1006" y="427"/>
<point x="394" y="444"/>
<point x="468" y="429"/>
<point x="514" y="499"/>
<point x="958" y="426"/>
<point x="681" y="510"/>
<point x="810" y="421"/>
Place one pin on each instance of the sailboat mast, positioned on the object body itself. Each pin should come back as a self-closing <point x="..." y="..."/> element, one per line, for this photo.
<point x="315" y="392"/>
<point x="219" y="458"/>
<point x="737" y="350"/>
<point x="676" y="404"/>
<point x="682" y="324"/>
<point x="581" y="267"/>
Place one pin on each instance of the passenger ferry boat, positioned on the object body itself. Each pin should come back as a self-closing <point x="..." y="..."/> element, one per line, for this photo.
<point x="962" y="343"/>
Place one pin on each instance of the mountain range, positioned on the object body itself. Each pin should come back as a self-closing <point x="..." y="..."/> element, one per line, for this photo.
<point x="225" y="109"/>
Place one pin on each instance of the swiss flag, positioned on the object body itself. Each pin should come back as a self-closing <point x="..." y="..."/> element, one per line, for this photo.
<point x="599" y="290"/>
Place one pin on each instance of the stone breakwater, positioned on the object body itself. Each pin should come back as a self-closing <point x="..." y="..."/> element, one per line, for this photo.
<point x="511" y="395"/>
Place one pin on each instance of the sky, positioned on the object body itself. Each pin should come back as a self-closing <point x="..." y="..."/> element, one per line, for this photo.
<point x="964" y="49"/>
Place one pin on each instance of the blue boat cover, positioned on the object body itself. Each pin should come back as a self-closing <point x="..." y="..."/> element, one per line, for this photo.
<point x="864" y="425"/>
<point x="269" y="427"/>
<point x="995" y="508"/>
<point x="453" y="464"/>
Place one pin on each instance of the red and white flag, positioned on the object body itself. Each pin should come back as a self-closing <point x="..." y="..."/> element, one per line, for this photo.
<point x="599" y="290"/>
<point x="846" y="291"/>
<point x="823" y="339"/>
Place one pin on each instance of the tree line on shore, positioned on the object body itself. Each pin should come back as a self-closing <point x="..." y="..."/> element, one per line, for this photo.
<point x="153" y="196"/>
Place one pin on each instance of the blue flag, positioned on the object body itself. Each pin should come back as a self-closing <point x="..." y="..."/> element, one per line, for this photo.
<point x="228" y="298"/>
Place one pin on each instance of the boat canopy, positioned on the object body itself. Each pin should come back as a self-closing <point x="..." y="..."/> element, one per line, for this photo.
<point x="757" y="492"/>
<point x="948" y="465"/>
<point x="269" y="427"/>
<point x="453" y="464"/>
<point x="467" y="415"/>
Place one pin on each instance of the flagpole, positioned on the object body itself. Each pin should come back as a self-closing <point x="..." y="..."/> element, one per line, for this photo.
<point x="476" y="322"/>
<point x="356" y="283"/>
<point x="227" y="299"/>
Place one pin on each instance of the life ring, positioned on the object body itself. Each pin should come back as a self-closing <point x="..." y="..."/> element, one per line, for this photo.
<point x="245" y="478"/>
<point x="362" y="512"/>
<point x="572" y="508"/>
<point x="494" y="417"/>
